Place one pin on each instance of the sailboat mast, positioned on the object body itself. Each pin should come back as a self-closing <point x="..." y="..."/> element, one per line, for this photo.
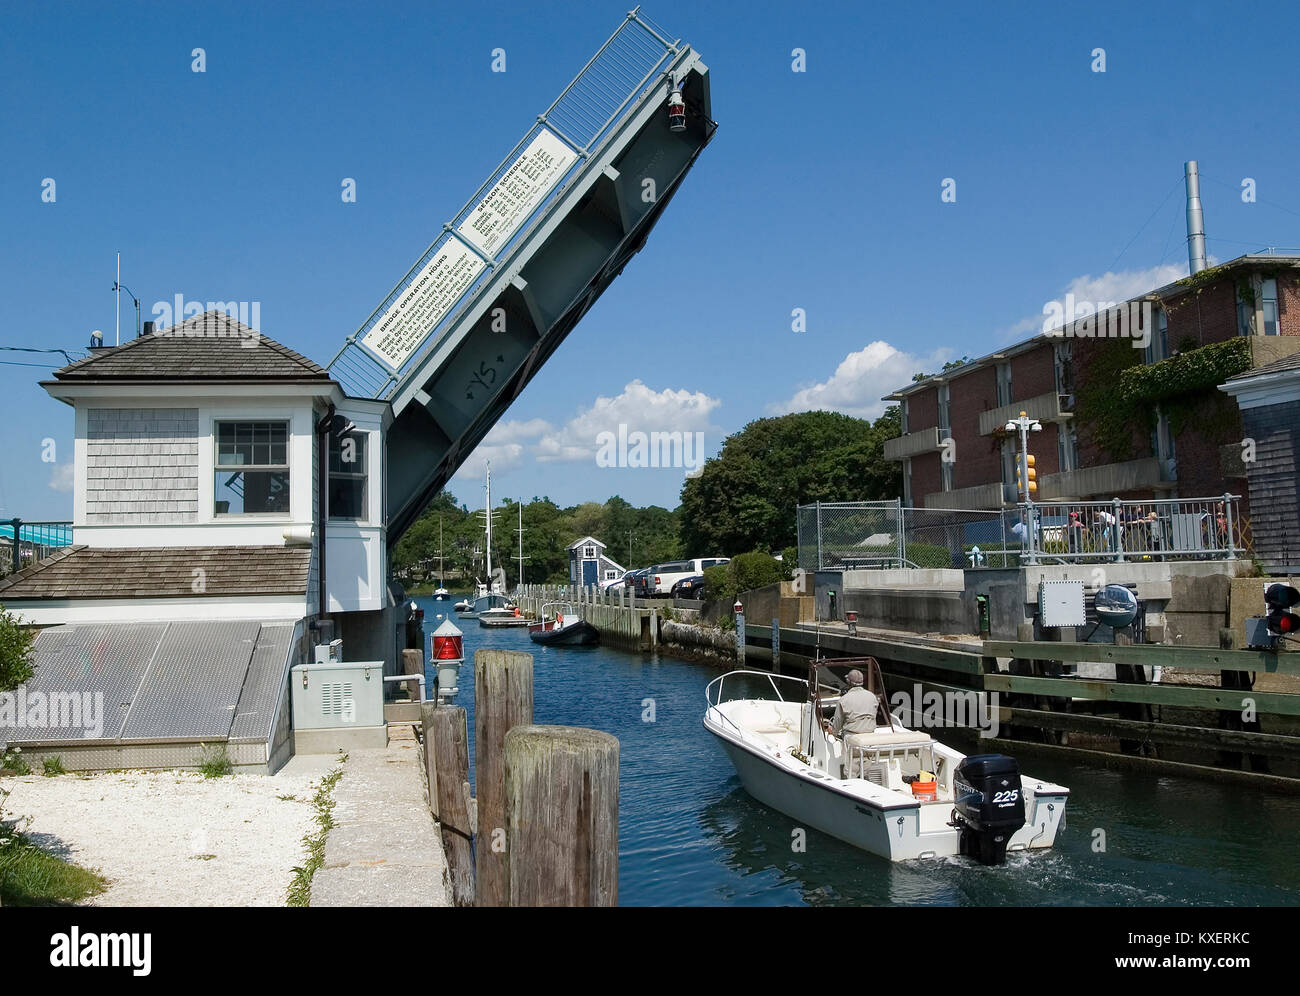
<point x="487" y="514"/>
<point x="442" y="583"/>
<point x="521" y="542"/>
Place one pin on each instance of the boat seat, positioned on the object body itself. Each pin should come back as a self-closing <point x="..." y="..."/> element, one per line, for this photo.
<point x="759" y="719"/>
<point x="885" y="737"/>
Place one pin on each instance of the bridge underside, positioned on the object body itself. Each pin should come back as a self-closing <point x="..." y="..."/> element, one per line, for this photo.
<point x="446" y="405"/>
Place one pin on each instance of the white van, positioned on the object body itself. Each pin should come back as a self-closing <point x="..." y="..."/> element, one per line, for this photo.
<point x="667" y="575"/>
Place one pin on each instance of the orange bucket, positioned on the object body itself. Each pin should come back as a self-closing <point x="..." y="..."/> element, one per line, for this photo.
<point x="925" y="791"/>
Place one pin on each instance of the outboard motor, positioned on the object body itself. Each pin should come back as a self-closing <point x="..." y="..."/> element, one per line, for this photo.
<point x="990" y="806"/>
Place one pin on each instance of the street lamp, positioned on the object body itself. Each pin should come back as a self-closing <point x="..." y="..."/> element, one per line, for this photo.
<point x="1025" y="425"/>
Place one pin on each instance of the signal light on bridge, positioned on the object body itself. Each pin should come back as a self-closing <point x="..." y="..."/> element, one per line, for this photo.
<point x="676" y="110"/>
<point x="1279" y="598"/>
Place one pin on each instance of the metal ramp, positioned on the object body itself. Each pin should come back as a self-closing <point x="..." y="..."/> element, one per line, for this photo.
<point x="150" y="695"/>
<point x="459" y="337"/>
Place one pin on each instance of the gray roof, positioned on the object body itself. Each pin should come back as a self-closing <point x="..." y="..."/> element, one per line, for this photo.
<point x="81" y="572"/>
<point x="1291" y="362"/>
<point x="208" y="347"/>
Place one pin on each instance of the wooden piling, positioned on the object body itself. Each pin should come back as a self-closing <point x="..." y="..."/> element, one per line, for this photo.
<point x="503" y="698"/>
<point x="450" y="750"/>
<point x="561" y="788"/>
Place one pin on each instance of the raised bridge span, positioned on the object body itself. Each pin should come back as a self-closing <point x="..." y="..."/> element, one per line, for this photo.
<point x="464" y="331"/>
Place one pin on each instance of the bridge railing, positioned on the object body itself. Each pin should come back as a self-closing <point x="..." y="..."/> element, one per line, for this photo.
<point x="574" y="128"/>
<point x="23" y="542"/>
<point x="887" y="534"/>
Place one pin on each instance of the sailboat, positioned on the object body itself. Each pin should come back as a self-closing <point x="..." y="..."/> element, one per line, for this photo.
<point x="490" y="600"/>
<point x="441" y="594"/>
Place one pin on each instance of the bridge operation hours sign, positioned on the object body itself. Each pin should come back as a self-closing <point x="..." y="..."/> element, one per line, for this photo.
<point x="489" y="225"/>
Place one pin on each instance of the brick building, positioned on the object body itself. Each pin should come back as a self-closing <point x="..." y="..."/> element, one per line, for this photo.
<point x="1127" y="394"/>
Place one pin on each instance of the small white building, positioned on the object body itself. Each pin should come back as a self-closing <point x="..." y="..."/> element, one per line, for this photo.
<point x="588" y="564"/>
<point x="210" y="460"/>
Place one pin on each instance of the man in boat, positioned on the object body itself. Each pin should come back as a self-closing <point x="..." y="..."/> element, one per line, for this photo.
<point x="856" y="711"/>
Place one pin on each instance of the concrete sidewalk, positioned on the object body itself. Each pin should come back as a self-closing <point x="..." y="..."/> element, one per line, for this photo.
<point x="384" y="848"/>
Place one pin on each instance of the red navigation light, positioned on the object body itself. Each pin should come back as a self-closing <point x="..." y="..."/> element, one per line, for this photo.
<point x="448" y="648"/>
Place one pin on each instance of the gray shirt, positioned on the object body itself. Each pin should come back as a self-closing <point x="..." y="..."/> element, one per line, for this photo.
<point x="855" y="712"/>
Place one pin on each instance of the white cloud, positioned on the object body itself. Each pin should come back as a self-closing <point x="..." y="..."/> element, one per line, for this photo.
<point x="509" y="445"/>
<point x="1110" y="286"/>
<point x="62" y="477"/>
<point x="638" y="407"/>
<point x="505" y="446"/>
<point x="861" y="380"/>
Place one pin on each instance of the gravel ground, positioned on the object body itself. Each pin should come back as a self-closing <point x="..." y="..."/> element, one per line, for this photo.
<point x="175" y="838"/>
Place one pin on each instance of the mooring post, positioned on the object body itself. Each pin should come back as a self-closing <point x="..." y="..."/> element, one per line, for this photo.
<point x="561" y="790"/>
<point x="503" y="698"/>
<point x="450" y="749"/>
<point x="430" y="755"/>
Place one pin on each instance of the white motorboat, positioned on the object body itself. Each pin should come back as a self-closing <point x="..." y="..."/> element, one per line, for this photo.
<point x="875" y="793"/>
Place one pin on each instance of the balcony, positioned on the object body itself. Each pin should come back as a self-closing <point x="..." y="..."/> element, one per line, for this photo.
<point x="1106" y="481"/>
<point x="914" y="443"/>
<point x="1044" y="407"/>
<point x="982" y="496"/>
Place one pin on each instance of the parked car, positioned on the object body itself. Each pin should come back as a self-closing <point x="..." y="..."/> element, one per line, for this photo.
<point x="643" y="582"/>
<point x="667" y="575"/>
<point x="619" y="582"/>
<point x="691" y="587"/>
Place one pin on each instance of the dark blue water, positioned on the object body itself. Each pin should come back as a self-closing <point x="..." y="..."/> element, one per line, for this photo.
<point x="690" y="835"/>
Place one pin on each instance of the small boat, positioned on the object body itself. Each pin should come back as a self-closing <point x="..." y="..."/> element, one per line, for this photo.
<point x="563" y="627"/>
<point x="897" y="793"/>
<point x="441" y="595"/>
<point x="502" y="617"/>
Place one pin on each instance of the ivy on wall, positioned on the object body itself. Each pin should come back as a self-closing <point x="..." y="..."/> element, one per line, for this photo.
<point x="1121" y="393"/>
<point x="1098" y="403"/>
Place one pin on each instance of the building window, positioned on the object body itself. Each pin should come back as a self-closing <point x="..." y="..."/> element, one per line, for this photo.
<point x="1062" y="354"/>
<point x="1067" y="445"/>
<point x="347" y="498"/>
<point x="1268" y="303"/>
<point x="907" y="481"/>
<point x="588" y="553"/>
<point x="943" y="407"/>
<point x="902" y="417"/>
<point x="1008" y="465"/>
<point x="1158" y="347"/>
<point x="1004" y="384"/>
<point x="252" y="471"/>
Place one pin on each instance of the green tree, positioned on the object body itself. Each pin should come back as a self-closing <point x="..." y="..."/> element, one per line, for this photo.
<point x="744" y="499"/>
<point x="15" y="651"/>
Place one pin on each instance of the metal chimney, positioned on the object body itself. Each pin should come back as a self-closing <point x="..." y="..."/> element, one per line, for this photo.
<point x="1195" y="220"/>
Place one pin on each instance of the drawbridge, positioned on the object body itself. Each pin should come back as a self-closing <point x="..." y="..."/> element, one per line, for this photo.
<point x="464" y="331"/>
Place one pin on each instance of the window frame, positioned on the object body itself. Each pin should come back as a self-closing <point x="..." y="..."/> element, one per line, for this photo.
<point x="363" y="474"/>
<point x="217" y="468"/>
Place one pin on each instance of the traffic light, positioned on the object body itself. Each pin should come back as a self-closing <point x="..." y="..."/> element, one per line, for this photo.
<point x="1279" y="598"/>
<point x="1033" y="477"/>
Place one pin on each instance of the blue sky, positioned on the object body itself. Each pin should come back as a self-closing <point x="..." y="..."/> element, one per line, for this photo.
<point x="821" y="191"/>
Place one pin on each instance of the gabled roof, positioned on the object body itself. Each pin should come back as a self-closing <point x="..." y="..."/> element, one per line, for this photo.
<point x="161" y="572"/>
<point x="585" y="539"/>
<point x="210" y="347"/>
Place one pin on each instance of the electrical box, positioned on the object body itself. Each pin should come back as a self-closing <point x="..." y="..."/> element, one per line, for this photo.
<point x="337" y="696"/>
<point x="329" y="653"/>
<point x="1060" y="603"/>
